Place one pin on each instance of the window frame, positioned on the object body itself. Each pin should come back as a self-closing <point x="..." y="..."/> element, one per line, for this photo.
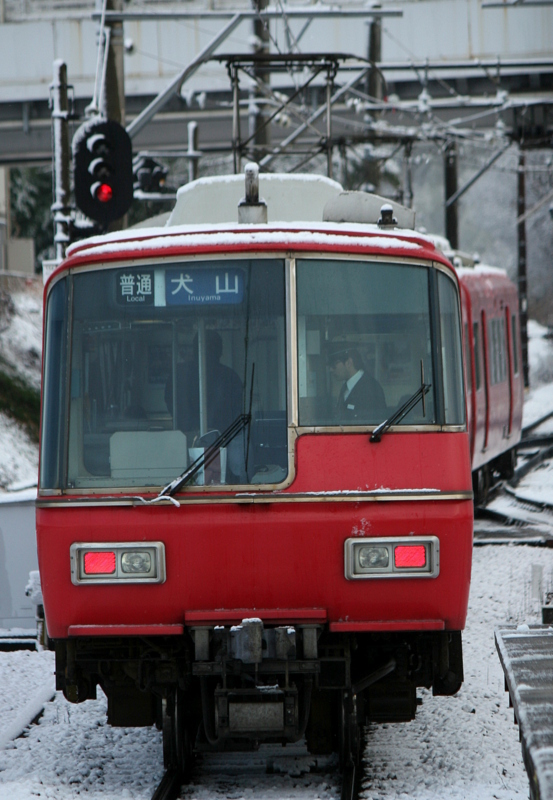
<point x="290" y="355"/>
<point x="434" y="313"/>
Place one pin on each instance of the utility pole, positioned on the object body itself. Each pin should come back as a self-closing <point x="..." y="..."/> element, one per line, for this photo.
<point x="113" y="90"/>
<point x="450" y="176"/>
<point x="60" y="112"/>
<point x="521" y="263"/>
<point x="256" y="115"/>
<point x="407" y="194"/>
<point x="374" y="54"/>
<point x="374" y="85"/>
<point x="113" y="106"/>
<point x="194" y="154"/>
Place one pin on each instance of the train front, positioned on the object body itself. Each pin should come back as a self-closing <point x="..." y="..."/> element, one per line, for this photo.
<point x="254" y="518"/>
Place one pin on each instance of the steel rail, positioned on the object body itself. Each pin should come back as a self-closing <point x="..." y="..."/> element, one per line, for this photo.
<point x="527" y="428"/>
<point x="28" y="715"/>
<point x="170" y="785"/>
<point x="352" y="774"/>
<point x="529" y="442"/>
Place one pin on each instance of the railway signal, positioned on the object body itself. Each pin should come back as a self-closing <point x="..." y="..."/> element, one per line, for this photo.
<point x="103" y="171"/>
<point x="149" y="175"/>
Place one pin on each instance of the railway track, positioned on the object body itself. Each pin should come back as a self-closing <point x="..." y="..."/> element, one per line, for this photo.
<point x="274" y="770"/>
<point x="521" y="511"/>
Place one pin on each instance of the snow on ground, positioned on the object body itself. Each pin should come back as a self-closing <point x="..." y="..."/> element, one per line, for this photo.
<point x="459" y="748"/>
<point x="539" y="399"/>
<point x="20" y="353"/>
<point x="466" y="747"/>
<point x="21" y="332"/>
<point x="18" y="456"/>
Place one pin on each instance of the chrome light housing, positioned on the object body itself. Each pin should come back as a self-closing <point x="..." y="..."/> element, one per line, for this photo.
<point x="119" y="562"/>
<point x="392" y="557"/>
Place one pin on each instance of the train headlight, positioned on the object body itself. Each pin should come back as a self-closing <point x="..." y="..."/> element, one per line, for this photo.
<point x="138" y="562"/>
<point x="373" y="557"/>
<point x="120" y="562"/>
<point x="398" y="557"/>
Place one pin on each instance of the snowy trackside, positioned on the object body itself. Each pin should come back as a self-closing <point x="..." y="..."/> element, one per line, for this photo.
<point x="20" y="355"/>
<point x="466" y="747"/>
<point x="18" y="456"/>
<point x="459" y="748"/>
<point x="21" y="333"/>
<point x="539" y="400"/>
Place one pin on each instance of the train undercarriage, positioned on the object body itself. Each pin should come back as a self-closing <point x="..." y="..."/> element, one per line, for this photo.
<point x="233" y="688"/>
<point x="489" y="475"/>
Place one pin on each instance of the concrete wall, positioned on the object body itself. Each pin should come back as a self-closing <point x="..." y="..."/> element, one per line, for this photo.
<point x="18" y="557"/>
<point x="434" y="29"/>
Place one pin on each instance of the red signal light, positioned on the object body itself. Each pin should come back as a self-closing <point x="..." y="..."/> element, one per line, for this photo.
<point x="407" y="556"/>
<point x="104" y="193"/>
<point x="98" y="562"/>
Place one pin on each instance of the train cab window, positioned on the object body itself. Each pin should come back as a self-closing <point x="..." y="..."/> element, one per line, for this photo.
<point x="514" y="340"/>
<point x="477" y="358"/>
<point x="167" y="358"/>
<point x="364" y="341"/>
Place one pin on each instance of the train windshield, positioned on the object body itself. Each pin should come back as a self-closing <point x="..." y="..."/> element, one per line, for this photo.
<point x="162" y="360"/>
<point x="369" y="334"/>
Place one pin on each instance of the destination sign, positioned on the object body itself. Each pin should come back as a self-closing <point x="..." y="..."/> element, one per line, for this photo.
<point x="198" y="287"/>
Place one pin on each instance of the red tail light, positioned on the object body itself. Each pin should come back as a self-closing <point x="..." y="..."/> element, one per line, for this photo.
<point x="410" y="556"/>
<point x="99" y="563"/>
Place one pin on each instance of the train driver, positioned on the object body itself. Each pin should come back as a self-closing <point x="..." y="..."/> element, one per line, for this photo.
<point x="361" y="398"/>
<point x="224" y="389"/>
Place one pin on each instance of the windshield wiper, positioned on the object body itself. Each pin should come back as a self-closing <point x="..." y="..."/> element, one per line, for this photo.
<point x="208" y="455"/>
<point x="404" y="409"/>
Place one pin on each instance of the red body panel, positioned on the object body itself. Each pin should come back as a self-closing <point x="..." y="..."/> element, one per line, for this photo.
<point x="230" y="560"/>
<point x="494" y="412"/>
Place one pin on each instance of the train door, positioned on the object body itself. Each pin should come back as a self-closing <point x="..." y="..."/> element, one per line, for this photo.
<point x="486" y="369"/>
<point x="466" y="312"/>
<point x="510" y="367"/>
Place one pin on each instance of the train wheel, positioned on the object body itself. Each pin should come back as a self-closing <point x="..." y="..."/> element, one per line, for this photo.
<point x="506" y="464"/>
<point x="481" y="481"/>
<point x="320" y="731"/>
<point x="177" y="738"/>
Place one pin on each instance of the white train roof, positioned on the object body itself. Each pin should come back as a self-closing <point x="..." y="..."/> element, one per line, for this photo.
<point x="214" y="200"/>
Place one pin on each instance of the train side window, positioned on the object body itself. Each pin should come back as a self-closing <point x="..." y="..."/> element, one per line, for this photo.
<point x="53" y="402"/>
<point x="477" y="360"/>
<point x="502" y="349"/>
<point x="451" y="351"/>
<point x="498" y="350"/>
<point x="467" y="358"/>
<point x="514" y="341"/>
<point x="492" y="347"/>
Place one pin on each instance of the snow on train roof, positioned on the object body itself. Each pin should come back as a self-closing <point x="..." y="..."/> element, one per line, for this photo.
<point x="214" y="200"/>
<point x="193" y="237"/>
<point x="310" y="210"/>
<point x="481" y="269"/>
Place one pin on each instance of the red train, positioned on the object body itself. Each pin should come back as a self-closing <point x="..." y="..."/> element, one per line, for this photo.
<point x="255" y="508"/>
<point x="494" y="376"/>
